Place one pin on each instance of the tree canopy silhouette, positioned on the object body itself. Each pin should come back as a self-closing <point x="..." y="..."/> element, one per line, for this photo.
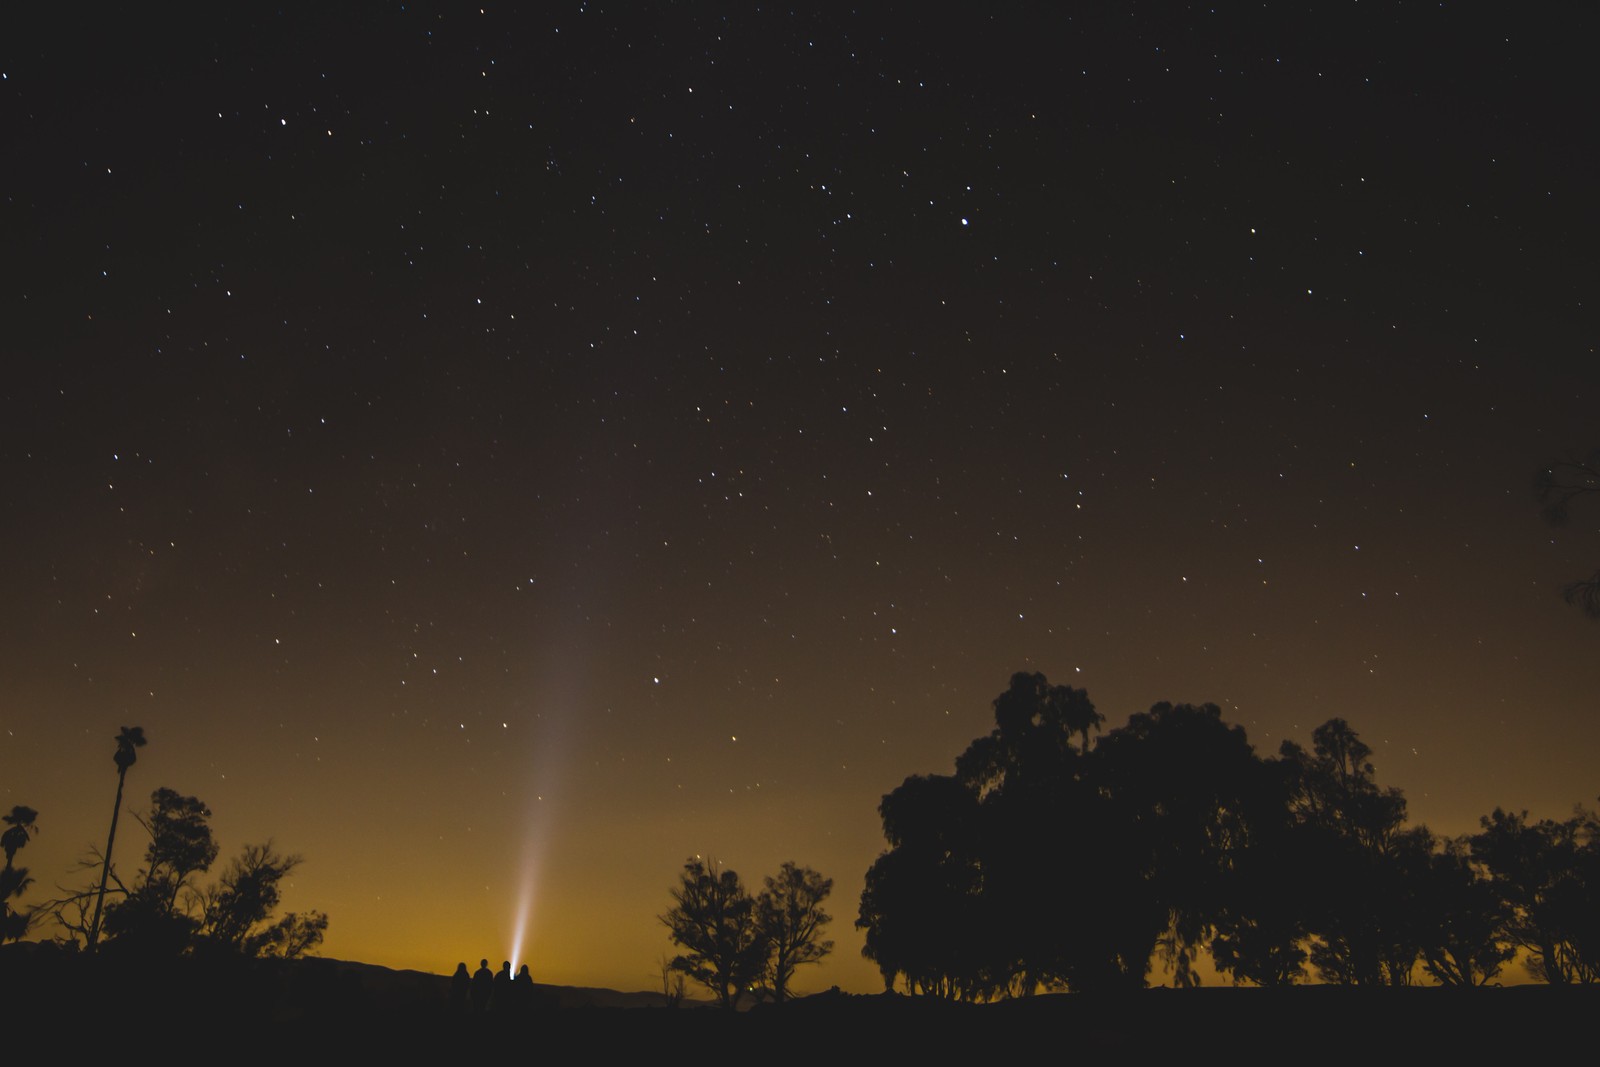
<point x="156" y="915"/>
<point x="14" y="880"/>
<point x="1547" y="874"/>
<point x="19" y="830"/>
<point x="920" y="907"/>
<point x="236" y="912"/>
<point x="789" y="913"/>
<point x="736" y="944"/>
<point x="1462" y="919"/>
<point x="1198" y="808"/>
<point x="713" y="919"/>
<point x="1358" y="857"/>
<point x="164" y="911"/>
<point x="1054" y="859"/>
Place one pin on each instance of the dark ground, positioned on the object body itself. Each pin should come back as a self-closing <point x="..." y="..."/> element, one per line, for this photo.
<point x="328" y="1011"/>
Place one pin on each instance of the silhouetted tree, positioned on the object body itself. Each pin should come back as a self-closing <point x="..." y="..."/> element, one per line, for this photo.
<point x="1260" y="939"/>
<point x="1547" y="875"/>
<point x="1048" y="862"/>
<point x="1356" y="854"/>
<point x="19" y="830"/>
<point x="1094" y="858"/>
<point x="714" y="920"/>
<point x="163" y="911"/>
<point x="236" y="910"/>
<point x="1261" y="931"/>
<point x="789" y="913"/>
<point x="1462" y="920"/>
<point x="672" y="981"/>
<point x="1042" y="848"/>
<point x="14" y="881"/>
<point x="128" y="742"/>
<point x="150" y="918"/>
<point x="1558" y="486"/>
<point x="1035" y="723"/>
<point x="1195" y="802"/>
<point x="921" y="908"/>
<point x="181" y="843"/>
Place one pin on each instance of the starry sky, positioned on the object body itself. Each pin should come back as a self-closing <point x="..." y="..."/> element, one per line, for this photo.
<point x="498" y="454"/>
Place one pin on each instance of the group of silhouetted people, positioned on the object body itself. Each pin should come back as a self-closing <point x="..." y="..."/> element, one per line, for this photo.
<point x="491" y="992"/>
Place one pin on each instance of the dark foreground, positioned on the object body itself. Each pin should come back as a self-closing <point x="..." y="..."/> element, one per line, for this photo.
<point x="327" y="1011"/>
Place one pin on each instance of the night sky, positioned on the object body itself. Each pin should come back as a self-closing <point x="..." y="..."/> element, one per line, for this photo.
<point x="499" y="454"/>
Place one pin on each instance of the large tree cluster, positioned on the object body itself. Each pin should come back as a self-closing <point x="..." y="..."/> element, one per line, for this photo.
<point x="163" y="910"/>
<point x="1056" y="858"/>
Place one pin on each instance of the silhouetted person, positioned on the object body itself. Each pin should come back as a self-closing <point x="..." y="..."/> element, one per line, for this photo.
<point x="460" y="987"/>
<point x="522" y="991"/>
<point x="500" y="994"/>
<point x="482" y="986"/>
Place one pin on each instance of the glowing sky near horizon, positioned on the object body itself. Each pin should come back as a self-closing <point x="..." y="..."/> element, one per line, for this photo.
<point x="499" y="454"/>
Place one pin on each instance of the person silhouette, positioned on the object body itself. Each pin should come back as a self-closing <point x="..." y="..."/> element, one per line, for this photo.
<point x="522" y="991"/>
<point x="482" y="986"/>
<point x="500" y="996"/>
<point x="460" y="986"/>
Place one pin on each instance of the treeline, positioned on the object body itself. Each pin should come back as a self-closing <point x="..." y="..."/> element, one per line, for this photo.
<point x="162" y="910"/>
<point x="1060" y="857"/>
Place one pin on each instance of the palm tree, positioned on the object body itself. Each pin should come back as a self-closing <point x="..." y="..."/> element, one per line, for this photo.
<point x="131" y="738"/>
<point x="21" y="822"/>
<point x="14" y="880"/>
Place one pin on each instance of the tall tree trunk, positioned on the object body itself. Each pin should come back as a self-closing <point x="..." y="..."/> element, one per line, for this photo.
<point x="105" y="868"/>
